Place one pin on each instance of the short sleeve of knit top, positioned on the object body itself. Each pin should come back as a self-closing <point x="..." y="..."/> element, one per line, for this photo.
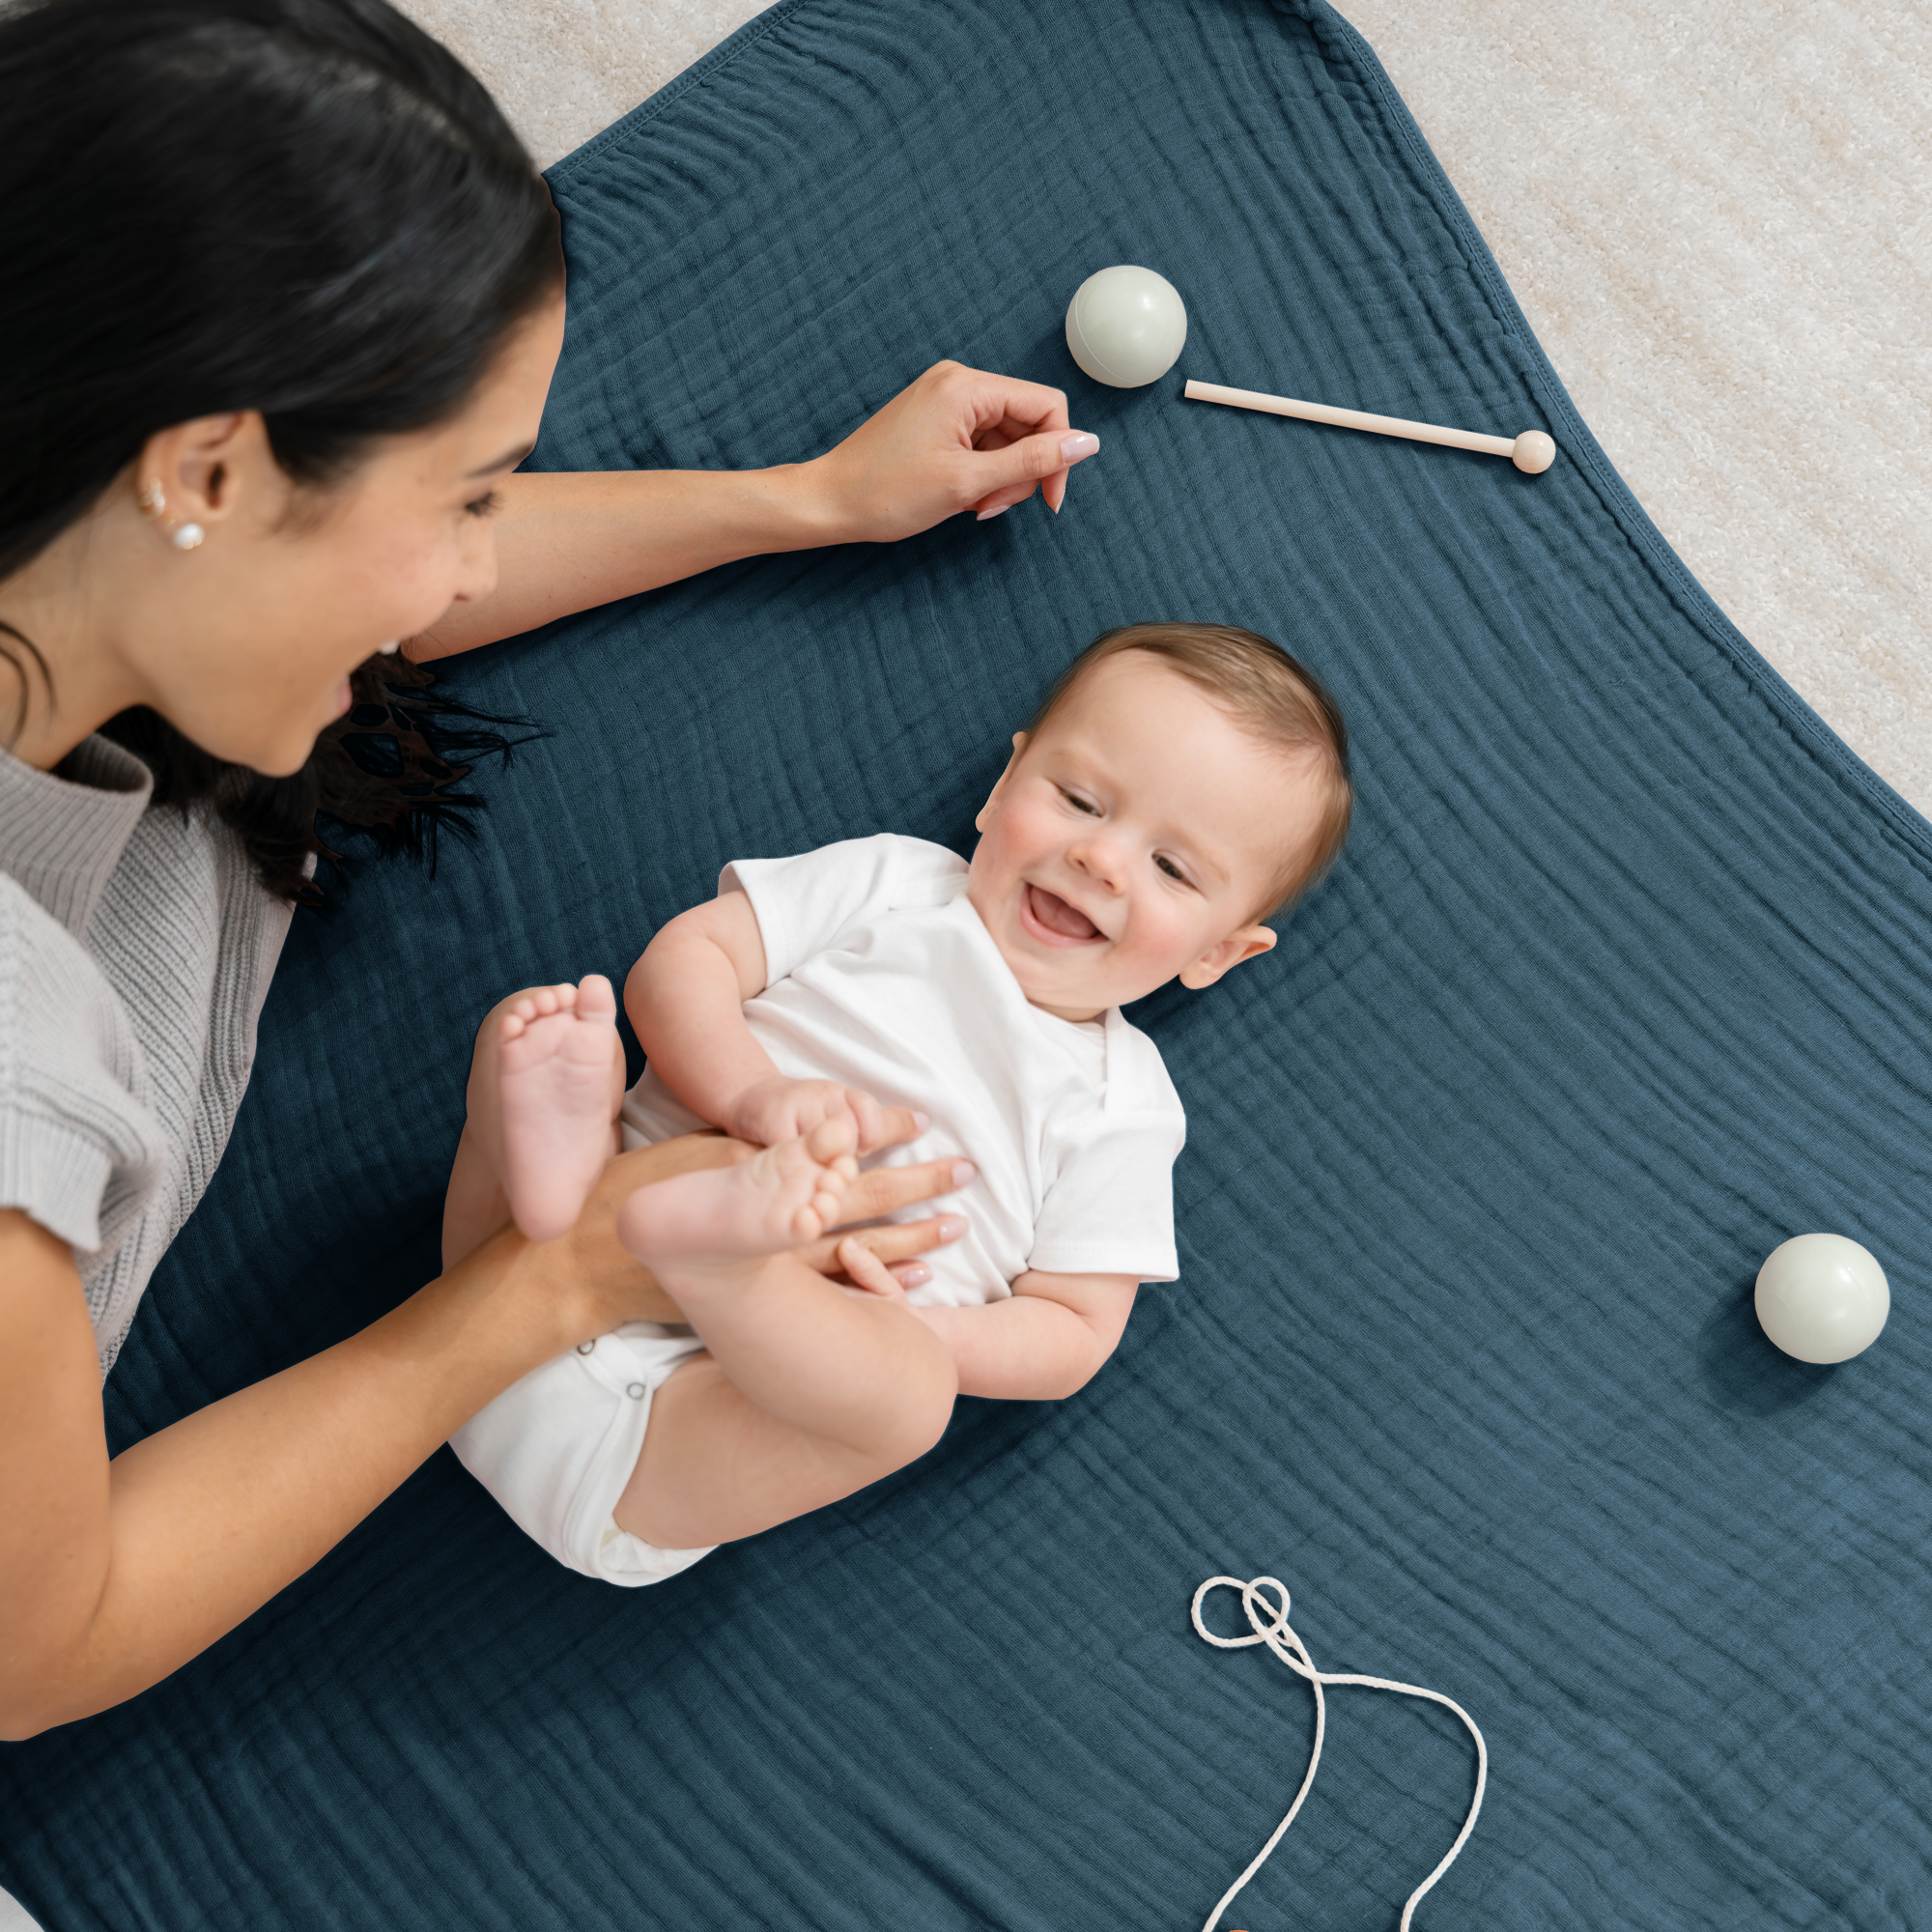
<point x="135" y="949"/>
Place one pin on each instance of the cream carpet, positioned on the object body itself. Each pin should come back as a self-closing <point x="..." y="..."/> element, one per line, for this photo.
<point x="1716" y="216"/>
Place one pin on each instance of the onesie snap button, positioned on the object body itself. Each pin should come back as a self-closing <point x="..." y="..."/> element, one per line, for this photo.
<point x="587" y="1348"/>
<point x="636" y="1391"/>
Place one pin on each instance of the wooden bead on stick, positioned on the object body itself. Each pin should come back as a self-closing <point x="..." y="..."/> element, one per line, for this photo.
<point x="1532" y="452"/>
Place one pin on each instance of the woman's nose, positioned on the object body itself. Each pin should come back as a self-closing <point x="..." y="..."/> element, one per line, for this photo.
<point x="476" y="573"/>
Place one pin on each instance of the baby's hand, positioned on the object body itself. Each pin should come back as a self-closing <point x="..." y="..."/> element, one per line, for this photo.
<point x="774" y="1110"/>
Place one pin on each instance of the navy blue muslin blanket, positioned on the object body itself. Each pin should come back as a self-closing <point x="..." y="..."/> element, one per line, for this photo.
<point x="1622" y="982"/>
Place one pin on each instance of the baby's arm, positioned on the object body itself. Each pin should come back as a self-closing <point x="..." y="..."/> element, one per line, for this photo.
<point x="1048" y="1340"/>
<point x="686" y="1000"/>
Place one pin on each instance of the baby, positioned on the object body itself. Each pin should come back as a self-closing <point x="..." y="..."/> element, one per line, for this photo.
<point x="1181" y="784"/>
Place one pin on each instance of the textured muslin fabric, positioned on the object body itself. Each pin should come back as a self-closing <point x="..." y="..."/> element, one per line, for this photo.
<point x="1622" y="980"/>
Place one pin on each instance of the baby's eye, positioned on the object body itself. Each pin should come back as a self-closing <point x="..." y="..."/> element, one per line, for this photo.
<point x="1080" y="804"/>
<point x="1168" y="867"/>
<point x="485" y="506"/>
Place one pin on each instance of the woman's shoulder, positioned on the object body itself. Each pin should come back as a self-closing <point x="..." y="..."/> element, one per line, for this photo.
<point x="74" y="1109"/>
<point x="46" y="974"/>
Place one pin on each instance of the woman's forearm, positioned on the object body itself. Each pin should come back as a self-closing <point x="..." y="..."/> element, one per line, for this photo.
<point x="955" y="439"/>
<point x="569" y="541"/>
<point x="123" y="1571"/>
<point x="113" y="1574"/>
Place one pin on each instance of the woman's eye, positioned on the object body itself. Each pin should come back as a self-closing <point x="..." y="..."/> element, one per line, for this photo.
<point x="485" y="506"/>
<point x="1168" y="867"/>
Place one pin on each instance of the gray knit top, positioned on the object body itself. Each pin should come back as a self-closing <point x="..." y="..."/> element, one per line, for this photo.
<point x="135" y="949"/>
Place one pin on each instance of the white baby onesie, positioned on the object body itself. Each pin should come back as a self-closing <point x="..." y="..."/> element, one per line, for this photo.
<point x="881" y="975"/>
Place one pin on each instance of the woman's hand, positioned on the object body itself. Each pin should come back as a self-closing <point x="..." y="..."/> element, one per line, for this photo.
<point x="957" y="439"/>
<point x="595" y="1273"/>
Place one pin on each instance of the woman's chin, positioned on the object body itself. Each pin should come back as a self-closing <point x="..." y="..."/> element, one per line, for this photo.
<point x="281" y="758"/>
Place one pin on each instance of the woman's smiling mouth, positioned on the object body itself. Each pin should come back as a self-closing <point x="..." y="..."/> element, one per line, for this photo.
<point x="1048" y="918"/>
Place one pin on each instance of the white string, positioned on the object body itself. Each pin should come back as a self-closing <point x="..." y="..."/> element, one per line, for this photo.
<point x="1282" y="1640"/>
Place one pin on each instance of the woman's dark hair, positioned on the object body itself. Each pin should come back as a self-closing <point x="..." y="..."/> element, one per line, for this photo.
<point x="302" y="207"/>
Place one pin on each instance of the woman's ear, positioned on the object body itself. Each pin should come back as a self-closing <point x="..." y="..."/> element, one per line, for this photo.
<point x="992" y="797"/>
<point x="1245" y="943"/>
<point x="203" y="468"/>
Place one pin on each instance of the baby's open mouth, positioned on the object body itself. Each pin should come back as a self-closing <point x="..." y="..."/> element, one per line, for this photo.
<point x="1051" y="912"/>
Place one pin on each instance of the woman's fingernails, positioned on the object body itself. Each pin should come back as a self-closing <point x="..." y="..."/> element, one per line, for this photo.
<point x="1073" y="447"/>
<point x="915" y="1276"/>
<point x="964" y="1173"/>
<point x="984" y="515"/>
<point x="951" y="1228"/>
<point x="920" y="1120"/>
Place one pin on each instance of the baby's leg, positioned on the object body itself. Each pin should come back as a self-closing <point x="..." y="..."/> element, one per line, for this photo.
<point x="808" y="1392"/>
<point x="545" y="1081"/>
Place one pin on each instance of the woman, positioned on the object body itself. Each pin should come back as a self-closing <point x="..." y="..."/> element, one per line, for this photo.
<point x="285" y="296"/>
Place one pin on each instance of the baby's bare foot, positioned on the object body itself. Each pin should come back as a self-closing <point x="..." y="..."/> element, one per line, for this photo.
<point x="733" y="1215"/>
<point x="553" y="1059"/>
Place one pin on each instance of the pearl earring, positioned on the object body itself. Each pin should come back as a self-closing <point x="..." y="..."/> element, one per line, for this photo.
<point x="183" y="536"/>
<point x="390" y="649"/>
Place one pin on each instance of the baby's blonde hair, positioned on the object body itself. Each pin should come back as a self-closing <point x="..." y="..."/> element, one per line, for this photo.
<point x="1265" y="692"/>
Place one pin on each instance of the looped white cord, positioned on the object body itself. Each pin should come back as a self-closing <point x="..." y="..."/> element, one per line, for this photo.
<point x="1281" y="1639"/>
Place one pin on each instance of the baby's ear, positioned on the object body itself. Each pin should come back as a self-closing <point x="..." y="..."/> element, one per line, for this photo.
<point x="992" y="797"/>
<point x="1245" y="943"/>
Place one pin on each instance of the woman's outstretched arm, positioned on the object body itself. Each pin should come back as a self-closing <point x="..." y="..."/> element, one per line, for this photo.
<point x="956" y="440"/>
<point x="113" y="1574"/>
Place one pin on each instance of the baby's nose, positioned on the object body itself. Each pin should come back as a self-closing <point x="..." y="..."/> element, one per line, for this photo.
<point x="1103" y="859"/>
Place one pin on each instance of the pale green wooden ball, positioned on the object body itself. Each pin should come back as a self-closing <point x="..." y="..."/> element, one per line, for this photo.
<point x="1822" y="1299"/>
<point x="1125" y="326"/>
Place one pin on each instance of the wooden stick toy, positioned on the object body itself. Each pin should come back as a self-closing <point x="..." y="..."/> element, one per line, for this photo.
<point x="1532" y="452"/>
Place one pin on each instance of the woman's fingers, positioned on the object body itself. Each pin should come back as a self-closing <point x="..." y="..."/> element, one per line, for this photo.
<point x="863" y="1269"/>
<point x="1017" y="470"/>
<point x="885" y="1190"/>
<point x="957" y="439"/>
<point x="898" y="1243"/>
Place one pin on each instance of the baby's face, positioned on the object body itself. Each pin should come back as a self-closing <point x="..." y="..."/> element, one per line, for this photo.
<point x="1132" y="838"/>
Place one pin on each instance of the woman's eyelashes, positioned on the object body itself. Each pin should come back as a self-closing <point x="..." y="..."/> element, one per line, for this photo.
<point x="485" y="506"/>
